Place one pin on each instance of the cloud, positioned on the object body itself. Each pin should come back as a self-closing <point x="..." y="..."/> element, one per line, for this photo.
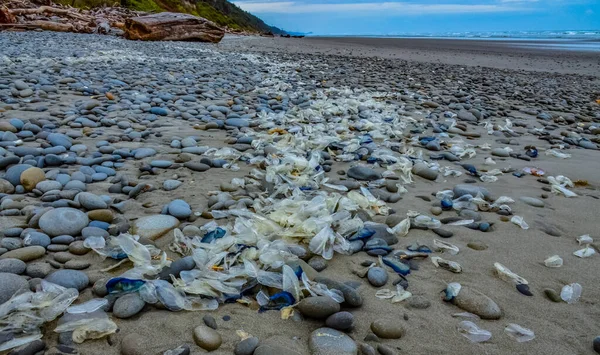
<point x="403" y="8"/>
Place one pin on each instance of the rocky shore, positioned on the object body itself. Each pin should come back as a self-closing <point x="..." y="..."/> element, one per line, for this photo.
<point x="177" y="198"/>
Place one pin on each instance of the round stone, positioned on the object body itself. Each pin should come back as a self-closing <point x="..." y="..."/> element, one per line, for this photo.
<point x="195" y="166"/>
<point x="596" y="344"/>
<point x="477" y="245"/>
<point x="11" y="285"/>
<point x="103" y="215"/>
<point x="39" y="270"/>
<point x="531" y="201"/>
<point x="318" y="307"/>
<point x="436" y="211"/>
<point x="424" y="171"/>
<point x="377" y="276"/>
<point x="246" y="346"/>
<point x="179" y="209"/>
<point x="25" y="254"/>
<point x="133" y="344"/>
<point x="63" y="239"/>
<point x="78" y="248"/>
<point x="36" y="238"/>
<point x="31" y="177"/>
<point x="363" y="173"/>
<point x="387" y="329"/>
<point x="327" y="341"/>
<point x="93" y="232"/>
<point x="477" y="303"/>
<point x="318" y="263"/>
<point x="418" y="302"/>
<point x="340" y="321"/>
<point x="63" y="257"/>
<point x="77" y="264"/>
<point x="90" y="201"/>
<point x="63" y="221"/>
<point x="170" y="185"/>
<point x="128" y="305"/>
<point x="207" y="338"/>
<point x="155" y="226"/>
<point x="69" y="279"/>
<point x="12" y="266"/>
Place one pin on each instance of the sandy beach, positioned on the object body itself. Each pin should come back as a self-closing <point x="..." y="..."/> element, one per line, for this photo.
<point x="248" y="94"/>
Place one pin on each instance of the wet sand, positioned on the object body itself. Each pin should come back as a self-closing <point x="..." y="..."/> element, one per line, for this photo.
<point x="500" y="54"/>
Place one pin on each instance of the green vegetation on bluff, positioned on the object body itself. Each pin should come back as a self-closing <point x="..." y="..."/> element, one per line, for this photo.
<point x="221" y="12"/>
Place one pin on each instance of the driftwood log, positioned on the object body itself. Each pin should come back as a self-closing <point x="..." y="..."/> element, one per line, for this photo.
<point x="6" y="16"/>
<point x="169" y="26"/>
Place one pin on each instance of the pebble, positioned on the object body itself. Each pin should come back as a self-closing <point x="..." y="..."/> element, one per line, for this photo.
<point x="596" y="344"/>
<point x="381" y="232"/>
<point x="366" y="349"/>
<point x="77" y="264"/>
<point x="318" y="307"/>
<point x="69" y="279"/>
<point x="388" y="329"/>
<point x="246" y="346"/>
<point x="176" y="267"/>
<point x="386" y="350"/>
<point x="63" y="257"/>
<point x="351" y="296"/>
<point x="477" y="245"/>
<point x="11" y="285"/>
<point x="500" y="152"/>
<point x="155" y="226"/>
<point x="418" y="302"/>
<point x="25" y="254"/>
<point x="443" y="232"/>
<point x="78" y="248"/>
<point x="477" y="303"/>
<point x="63" y="221"/>
<point x="327" y="341"/>
<point x="133" y="344"/>
<point x="31" y="177"/>
<point x="195" y="166"/>
<point x="436" y="211"/>
<point x="552" y="295"/>
<point x="377" y="276"/>
<point x="128" y="305"/>
<point x="207" y="338"/>
<point x="210" y="321"/>
<point x="179" y="209"/>
<point x="532" y="201"/>
<point x="340" y="321"/>
<point x="12" y="266"/>
<point x="39" y="270"/>
<point x="32" y="348"/>
<point x="93" y="232"/>
<point x="363" y="173"/>
<point x="170" y="185"/>
<point x="422" y="170"/>
<point x="468" y="189"/>
<point x="89" y="201"/>
<point x="318" y="263"/>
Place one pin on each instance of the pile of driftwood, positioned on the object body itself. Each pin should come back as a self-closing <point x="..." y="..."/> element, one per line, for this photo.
<point x="26" y="15"/>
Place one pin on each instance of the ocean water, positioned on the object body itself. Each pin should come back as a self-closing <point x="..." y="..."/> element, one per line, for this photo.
<point x="502" y="35"/>
<point x="585" y="41"/>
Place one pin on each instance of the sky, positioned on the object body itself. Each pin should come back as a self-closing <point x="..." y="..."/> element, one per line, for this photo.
<point x="388" y="17"/>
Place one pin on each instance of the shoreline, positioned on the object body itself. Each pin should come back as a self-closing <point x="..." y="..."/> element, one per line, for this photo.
<point x="490" y="54"/>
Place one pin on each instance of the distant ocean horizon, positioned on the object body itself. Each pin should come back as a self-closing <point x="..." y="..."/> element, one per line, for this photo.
<point x="487" y="35"/>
